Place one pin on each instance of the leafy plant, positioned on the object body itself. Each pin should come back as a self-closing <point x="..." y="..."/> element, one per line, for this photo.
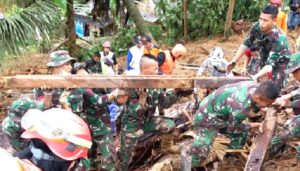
<point x="26" y="26"/>
<point x="205" y="17"/>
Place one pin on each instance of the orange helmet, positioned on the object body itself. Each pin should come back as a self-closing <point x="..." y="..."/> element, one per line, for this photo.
<point x="277" y="2"/>
<point x="65" y="133"/>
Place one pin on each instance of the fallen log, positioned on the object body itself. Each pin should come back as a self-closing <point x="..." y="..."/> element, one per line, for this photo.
<point x="260" y="147"/>
<point x="99" y="81"/>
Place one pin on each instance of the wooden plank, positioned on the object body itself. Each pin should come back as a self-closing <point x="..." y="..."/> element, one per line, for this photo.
<point x="97" y="81"/>
<point x="260" y="147"/>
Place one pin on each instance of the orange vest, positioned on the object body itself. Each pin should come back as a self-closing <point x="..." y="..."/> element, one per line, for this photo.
<point x="169" y="64"/>
<point x="153" y="51"/>
<point x="282" y="21"/>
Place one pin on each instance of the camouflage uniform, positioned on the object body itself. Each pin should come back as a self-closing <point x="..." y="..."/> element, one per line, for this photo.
<point x="11" y="125"/>
<point x="222" y="111"/>
<point x="138" y="119"/>
<point x="291" y="128"/>
<point x="93" y="67"/>
<point x="96" y="113"/>
<point x="273" y="50"/>
<point x="93" y="108"/>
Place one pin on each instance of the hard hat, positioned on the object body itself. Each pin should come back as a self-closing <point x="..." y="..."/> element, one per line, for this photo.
<point x="278" y="2"/>
<point x="179" y="50"/>
<point x="58" y="58"/>
<point x="106" y="44"/>
<point x="65" y="133"/>
<point x="217" y="53"/>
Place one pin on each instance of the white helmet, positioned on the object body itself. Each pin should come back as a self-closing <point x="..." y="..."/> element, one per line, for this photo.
<point x="216" y="54"/>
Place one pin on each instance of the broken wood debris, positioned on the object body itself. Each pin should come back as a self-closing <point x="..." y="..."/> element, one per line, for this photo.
<point x="260" y="146"/>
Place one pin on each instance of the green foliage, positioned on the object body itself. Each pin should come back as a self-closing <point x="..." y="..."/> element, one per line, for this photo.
<point x="120" y="44"/>
<point x="26" y="26"/>
<point x="205" y="17"/>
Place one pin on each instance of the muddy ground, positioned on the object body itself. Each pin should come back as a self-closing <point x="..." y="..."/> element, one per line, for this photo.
<point x="197" y="52"/>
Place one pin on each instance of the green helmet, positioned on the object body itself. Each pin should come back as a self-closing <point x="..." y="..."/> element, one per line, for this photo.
<point x="294" y="63"/>
<point x="58" y="58"/>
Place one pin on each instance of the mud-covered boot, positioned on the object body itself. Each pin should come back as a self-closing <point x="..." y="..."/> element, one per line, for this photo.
<point x="167" y="144"/>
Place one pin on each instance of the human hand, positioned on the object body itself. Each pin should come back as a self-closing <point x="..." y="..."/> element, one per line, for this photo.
<point x="230" y="66"/>
<point x="46" y="90"/>
<point x="254" y="78"/>
<point x="245" y="72"/>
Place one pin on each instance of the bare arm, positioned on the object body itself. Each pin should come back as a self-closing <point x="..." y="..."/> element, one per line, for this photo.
<point x="266" y="69"/>
<point x="241" y="51"/>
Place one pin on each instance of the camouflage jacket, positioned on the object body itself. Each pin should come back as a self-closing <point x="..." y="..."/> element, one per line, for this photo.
<point x="227" y="107"/>
<point x="93" y="67"/>
<point x="136" y="112"/>
<point x="57" y="92"/>
<point x="93" y="108"/>
<point x="272" y="47"/>
<point x="296" y="101"/>
<point x="11" y="125"/>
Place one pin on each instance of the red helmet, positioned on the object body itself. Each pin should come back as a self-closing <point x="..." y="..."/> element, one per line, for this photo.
<point x="106" y="44"/>
<point x="278" y="2"/>
<point x="65" y="133"/>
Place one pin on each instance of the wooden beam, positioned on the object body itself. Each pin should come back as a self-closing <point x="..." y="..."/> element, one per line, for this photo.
<point x="260" y="147"/>
<point x="97" y="81"/>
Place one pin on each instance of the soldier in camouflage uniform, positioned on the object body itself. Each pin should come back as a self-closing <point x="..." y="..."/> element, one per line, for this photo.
<point x="138" y="117"/>
<point x="11" y="125"/>
<point x="96" y="113"/>
<point x="272" y="45"/>
<point x="291" y="128"/>
<point x="224" y="111"/>
<point x="90" y="106"/>
<point x="93" y="65"/>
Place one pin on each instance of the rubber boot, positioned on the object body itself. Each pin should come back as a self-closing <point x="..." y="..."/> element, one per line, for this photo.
<point x="167" y="144"/>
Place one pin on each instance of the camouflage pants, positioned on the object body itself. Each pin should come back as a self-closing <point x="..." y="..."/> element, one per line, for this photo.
<point x="205" y="136"/>
<point x="291" y="130"/>
<point x="279" y="77"/>
<point x="103" y="154"/>
<point x="13" y="132"/>
<point x="254" y="65"/>
<point x="296" y="106"/>
<point x="129" y="139"/>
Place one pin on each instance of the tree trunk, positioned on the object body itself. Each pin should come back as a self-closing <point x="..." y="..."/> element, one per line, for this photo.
<point x="229" y="18"/>
<point x="71" y="35"/>
<point x="185" y="21"/>
<point x="135" y="14"/>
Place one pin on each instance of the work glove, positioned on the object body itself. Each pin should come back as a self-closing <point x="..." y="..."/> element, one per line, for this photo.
<point x="108" y="61"/>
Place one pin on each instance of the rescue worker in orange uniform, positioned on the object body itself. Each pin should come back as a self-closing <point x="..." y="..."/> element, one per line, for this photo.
<point x="149" y="47"/>
<point x="166" y="59"/>
<point x="281" y="17"/>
